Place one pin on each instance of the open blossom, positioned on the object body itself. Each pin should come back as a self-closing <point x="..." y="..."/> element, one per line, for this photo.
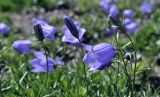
<point x="114" y="10"/>
<point x="127" y="21"/>
<point x="22" y="45"/>
<point x="109" y="7"/>
<point x="105" y="5"/>
<point x="69" y="38"/>
<point x="4" y="29"/>
<point x="128" y="13"/>
<point x="146" y="7"/>
<point x="132" y="27"/>
<point x="40" y="62"/>
<point x="99" y="56"/>
<point x="49" y="31"/>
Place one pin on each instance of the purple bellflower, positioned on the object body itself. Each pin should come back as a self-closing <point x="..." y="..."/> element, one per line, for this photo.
<point x="22" y="45"/>
<point x="128" y="13"/>
<point x="4" y="28"/>
<point x="40" y="63"/>
<point x="71" y="35"/>
<point x="113" y="10"/>
<point x="132" y="27"/>
<point x="105" y="5"/>
<point x="127" y="21"/>
<point x="99" y="56"/>
<point x="146" y="7"/>
<point x="49" y="32"/>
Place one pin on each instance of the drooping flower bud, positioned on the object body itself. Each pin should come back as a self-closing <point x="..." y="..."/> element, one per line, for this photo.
<point x="38" y="32"/>
<point x="128" y="56"/>
<point x="71" y="26"/>
<point x="115" y="20"/>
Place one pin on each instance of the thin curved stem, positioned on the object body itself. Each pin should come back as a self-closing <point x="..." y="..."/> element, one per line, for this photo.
<point x="39" y="93"/>
<point x="135" y="57"/>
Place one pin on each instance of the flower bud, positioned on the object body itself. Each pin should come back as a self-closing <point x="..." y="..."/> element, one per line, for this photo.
<point x="128" y="56"/>
<point x="115" y="20"/>
<point x="71" y="26"/>
<point x="38" y="32"/>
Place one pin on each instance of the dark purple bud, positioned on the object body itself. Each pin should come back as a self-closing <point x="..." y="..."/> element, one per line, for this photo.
<point x="38" y="32"/>
<point x="115" y="20"/>
<point x="128" y="56"/>
<point x="71" y="26"/>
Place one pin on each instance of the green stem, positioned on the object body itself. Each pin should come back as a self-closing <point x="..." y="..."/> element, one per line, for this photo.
<point x="84" y="68"/>
<point x="115" y="35"/>
<point x="135" y="61"/>
<point x="39" y="93"/>
<point x="66" y="72"/>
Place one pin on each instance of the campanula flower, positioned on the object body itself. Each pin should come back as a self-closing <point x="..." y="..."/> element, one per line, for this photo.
<point x="22" y="45"/>
<point x="146" y="7"/>
<point x="49" y="31"/>
<point x="113" y="10"/>
<point x="127" y="21"/>
<point x="105" y="5"/>
<point x="128" y="13"/>
<point x="68" y="36"/>
<point x="4" y="29"/>
<point x="40" y="63"/>
<point x="99" y="56"/>
<point x="132" y="27"/>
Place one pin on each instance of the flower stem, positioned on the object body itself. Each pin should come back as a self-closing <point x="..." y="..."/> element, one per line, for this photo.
<point x="45" y="49"/>
<point x="135" y="61"/>
<point x="85" y="72"/>
<point x="66" y="72"/>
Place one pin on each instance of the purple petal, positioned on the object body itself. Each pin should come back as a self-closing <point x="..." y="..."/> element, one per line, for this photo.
<point x="100" y="57"/>
<point x="114" y="10"/>
<point x="39" y="54"/>
<point x="49" y="32"/>
<point x="22" y="45"/>
<point x="146" y="7"/>
<point x="105" y="5"/>
<point x="127" y="21"/>
<point x="4" y="28"/>
<point x="132" y="27"/>
<point x="87" y="47"/>
<point x="128" y="13"/>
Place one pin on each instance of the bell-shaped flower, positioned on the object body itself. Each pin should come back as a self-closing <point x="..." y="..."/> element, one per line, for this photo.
<point x="4" y="29"/>
<point x="105" y="5"/>
<point x="132" y="27"/>
<point x="99" y="56"/>
<point x="146" y="7"/>
<point x="22" y="45"/>
<point x="49" y="31"/>
<point x="127" y="21"/>
<point x="113" y="10"/>
<point x="128" y="13"/>
<point x="69" y="38"/>
<point x="40" y="62"/>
